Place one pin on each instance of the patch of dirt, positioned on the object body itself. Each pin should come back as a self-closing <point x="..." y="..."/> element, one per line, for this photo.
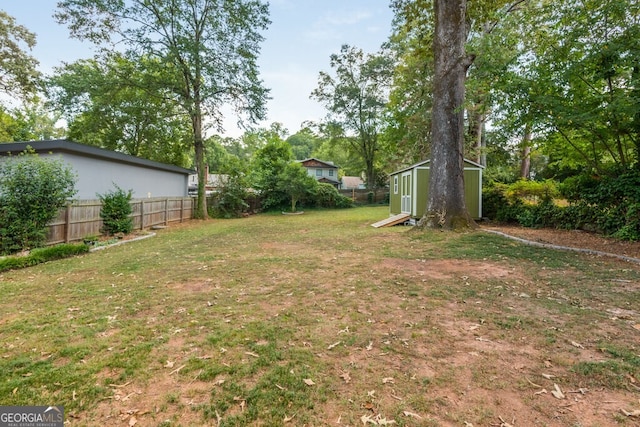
<point x="570" y="238"/>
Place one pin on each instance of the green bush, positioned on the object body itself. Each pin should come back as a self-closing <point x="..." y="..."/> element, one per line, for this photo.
<point x="116" y="211"/>
<point x="32" y="191"/>
<point x="327" y="196"/>
<point x="230" y="202"/>
<point x="41" y="255"/>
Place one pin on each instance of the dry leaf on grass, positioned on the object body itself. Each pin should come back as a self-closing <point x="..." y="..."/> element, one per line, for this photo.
<point x="133" y="421"/>
<point x="557" y="393"/>
<point x="411" y="414"/>
<point x="388" y="380"/>
<point x="334" y="345"/>
<point x="346" y="377"/>
<point x="309" y="382"/>
<point x="635" y="413"/>
<point x="288" y="419"/>
<point x="577" y="345"/>
<point x="169" y="364"/>
<point x="370" y="346"/>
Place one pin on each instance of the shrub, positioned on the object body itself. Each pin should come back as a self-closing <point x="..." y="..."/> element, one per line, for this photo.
<point x="41" y="255"/>
<point x="32" y="191"/>
<point x="116" y="211"/>
<point x="327" y="196"/>
<point x="230" y="202"/>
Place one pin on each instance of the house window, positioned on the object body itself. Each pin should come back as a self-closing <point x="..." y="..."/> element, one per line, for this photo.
<point x="330" y="172"/>
<point x="395" y="184"/>
<point x="318" y="172"/>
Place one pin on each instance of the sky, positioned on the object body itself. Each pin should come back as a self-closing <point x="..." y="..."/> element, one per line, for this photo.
<point x="302" y="36"/>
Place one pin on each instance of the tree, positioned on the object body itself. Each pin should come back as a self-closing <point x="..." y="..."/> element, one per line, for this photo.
<point x="109" y="104"/>
<point x="207" y="49"/>
<point x="18" y="74"/>
<point x="445" y="203"/>
<point x="356" y="99"/>
<point x="294" y="181"/>
<point x="266" y="167"/>
<point x="303" y="143"/>
<point x="32" y="190"/>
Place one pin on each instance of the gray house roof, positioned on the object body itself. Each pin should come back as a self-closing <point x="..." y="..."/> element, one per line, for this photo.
<point x="66" y="146"/>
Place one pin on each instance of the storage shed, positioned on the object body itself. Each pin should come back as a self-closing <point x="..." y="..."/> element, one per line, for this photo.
<point x="410" y="187"/>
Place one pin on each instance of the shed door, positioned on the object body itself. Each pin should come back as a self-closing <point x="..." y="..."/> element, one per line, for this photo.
<point x="405" y="192"/>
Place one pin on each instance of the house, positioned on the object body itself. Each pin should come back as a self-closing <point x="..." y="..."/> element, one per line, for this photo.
<point x="409" y="189"/>
<point x="97" y="169"/>
<point x="322" y="170"/>
<point x="215" y="183"/>
<point x="352" y="183"/>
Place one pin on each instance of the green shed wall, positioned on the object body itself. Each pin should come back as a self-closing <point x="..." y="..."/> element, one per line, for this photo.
<point x="420" y="186"/>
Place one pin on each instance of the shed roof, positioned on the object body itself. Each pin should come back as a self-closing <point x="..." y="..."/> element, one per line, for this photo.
<point x="66" y="146"/>
<point x="424" y="162"/>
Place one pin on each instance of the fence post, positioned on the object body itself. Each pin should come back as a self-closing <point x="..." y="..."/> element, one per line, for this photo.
<point x="67" y="223"/>
<point x="166" y="211"/>
<point x="141" y="214"/>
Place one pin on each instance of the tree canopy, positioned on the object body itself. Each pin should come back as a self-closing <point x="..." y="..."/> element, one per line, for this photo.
<point x="207" y="50"/>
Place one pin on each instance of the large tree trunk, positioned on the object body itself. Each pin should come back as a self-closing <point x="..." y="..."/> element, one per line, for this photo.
<point x="446" y="206"/>
<point x="201" y="203"/>
<point x="525" y="153"/>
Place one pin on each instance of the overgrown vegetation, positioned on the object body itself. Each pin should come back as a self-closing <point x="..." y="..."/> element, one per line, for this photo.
<point x="609" y="205"/>
<point x="116" y="211"/>
<point x="32" y="191"/>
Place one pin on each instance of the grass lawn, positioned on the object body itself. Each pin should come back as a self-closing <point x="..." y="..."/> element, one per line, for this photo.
<point x="320" y="319"/>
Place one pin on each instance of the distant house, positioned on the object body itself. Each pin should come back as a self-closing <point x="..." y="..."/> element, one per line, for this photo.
<point x="352" y="183"/>
<point x="410" y="188"/>
<point x="215" y="182"/>
<point x="97" y="169"/>
<point x="322" y="171"/>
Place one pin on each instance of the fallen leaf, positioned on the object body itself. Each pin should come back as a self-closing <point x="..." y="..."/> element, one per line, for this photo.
<point x="133" y="421"/>
<point x="308" y="381"/>
<point x="385" y="422"/>
<point x="366" y="419"/>
<point x="287" y="419"/>
<point x="388" y="380"/>
<point x="280" y="387"/>
<point x="15" y="390"/>
<point x="411" y="414"/>
<point x="635" y="413"/>
<point x="334" y="345"/>
<point x="577" y="345"/>
<point x="557" y="393"/>
<point x="548" y="376"/>
<point x="248" y="353"/>
<point x="346" y="377"/>
<point x="543" y="391"/>
<point x="169" y="364"/>
<point x="370" y="346"/>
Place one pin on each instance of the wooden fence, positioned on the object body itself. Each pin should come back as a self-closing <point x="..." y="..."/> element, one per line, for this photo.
<point x="362" y="196"/>
<point x="82" y="218"/>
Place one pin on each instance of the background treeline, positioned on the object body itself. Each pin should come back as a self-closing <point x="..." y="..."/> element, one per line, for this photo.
<point x="552" y="99"/>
